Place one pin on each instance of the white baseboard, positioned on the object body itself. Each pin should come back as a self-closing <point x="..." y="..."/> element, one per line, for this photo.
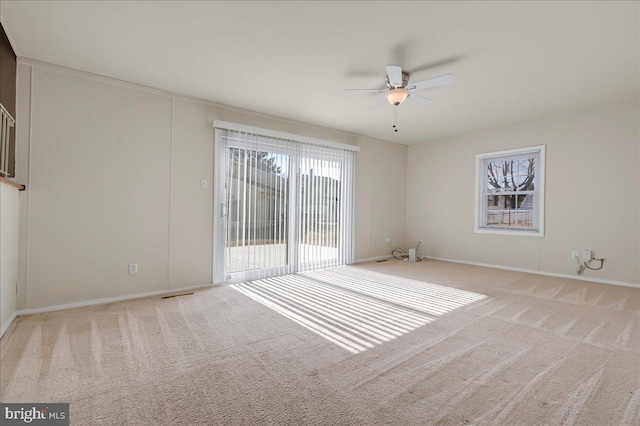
<point x="372" y="259"/>
<point x="6" y="325"/>
<point x="531" y="271"/>
<point x="106" y="300"/>
<point x="31" y="311"/>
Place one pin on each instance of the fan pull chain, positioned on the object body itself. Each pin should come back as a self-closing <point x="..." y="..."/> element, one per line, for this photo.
<point x="395" y="118"/>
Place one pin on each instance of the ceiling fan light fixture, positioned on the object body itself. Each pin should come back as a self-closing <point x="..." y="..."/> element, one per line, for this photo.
<point x="397" y="96"/>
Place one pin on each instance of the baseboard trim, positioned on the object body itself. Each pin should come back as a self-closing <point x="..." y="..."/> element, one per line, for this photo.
<point x="7" y="324"/>
<point x="107" y="300"/>
<point x="531" y="271"/>
<point x="372" y="259"/>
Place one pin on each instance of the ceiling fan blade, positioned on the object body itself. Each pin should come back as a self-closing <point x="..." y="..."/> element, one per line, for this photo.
<point x="419" y="100"/>
<point x="395" y="75"/>
<point x="365" y="90"/>
<point x="432" y="82"/>
<point x="377" y="104"/>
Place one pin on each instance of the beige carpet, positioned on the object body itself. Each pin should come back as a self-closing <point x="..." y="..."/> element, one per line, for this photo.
<point x="349" y="346"/>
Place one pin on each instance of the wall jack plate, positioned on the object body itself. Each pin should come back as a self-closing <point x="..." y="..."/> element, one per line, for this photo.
<point x="412" y="255"/>
<point x="587" y="256"/>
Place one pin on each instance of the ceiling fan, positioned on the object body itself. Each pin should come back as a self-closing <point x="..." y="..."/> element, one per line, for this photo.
<point x="399" y="88"/>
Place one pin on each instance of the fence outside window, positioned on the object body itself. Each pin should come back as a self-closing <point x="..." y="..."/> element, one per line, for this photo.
<point x="509" y="217"/>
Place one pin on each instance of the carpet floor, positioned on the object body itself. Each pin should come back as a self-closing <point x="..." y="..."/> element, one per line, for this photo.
<point x="390" y="343"/>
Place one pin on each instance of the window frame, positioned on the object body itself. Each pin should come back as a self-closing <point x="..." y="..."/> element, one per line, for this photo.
<point x="538" y="192"/>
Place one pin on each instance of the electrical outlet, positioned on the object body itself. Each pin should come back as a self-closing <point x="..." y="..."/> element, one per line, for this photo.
<point x="586" y="256"/>
<point x="133" y="268"/>
<point x="575" y="254"/>
<point x="204" y="184"/>
<point x="387" y="240"/>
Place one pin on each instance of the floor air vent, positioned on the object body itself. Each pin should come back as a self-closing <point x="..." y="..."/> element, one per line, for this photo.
<point x="176" y="295"/>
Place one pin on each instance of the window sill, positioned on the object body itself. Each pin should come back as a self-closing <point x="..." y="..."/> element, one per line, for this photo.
<point x="508" y="232"/>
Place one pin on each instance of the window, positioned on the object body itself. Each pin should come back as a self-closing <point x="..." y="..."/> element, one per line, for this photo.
<point x="510" y="192"/>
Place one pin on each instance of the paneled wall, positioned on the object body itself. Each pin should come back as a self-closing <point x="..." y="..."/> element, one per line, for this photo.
<point x="113" y="172"/>
<point x="9" y="216"/>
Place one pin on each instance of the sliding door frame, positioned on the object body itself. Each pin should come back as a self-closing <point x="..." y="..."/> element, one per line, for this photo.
<point x="220" y="209"/>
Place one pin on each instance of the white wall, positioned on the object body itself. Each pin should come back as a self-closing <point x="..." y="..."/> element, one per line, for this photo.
<point x="380" y="198"/>
<point x="98" y="189"/>
<point x="113" y="175"/>
<point x="592" y="196"/>
<point x="191" y="206"/>
<point x="9" y="209"/>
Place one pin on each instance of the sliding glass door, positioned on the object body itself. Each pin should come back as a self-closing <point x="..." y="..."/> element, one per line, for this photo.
<point x="283" y="206"/>
<point x="256" y="219"/>
<point x="319" y="186"/>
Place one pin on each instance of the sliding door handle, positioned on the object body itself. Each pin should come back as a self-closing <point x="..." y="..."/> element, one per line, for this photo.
<point x="224" y="209"/>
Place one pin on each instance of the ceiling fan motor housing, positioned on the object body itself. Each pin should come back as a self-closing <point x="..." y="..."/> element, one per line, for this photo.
<point x="405" y="81"/>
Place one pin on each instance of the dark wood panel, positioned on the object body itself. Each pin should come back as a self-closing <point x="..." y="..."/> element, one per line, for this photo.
<point x="8" y="90"/>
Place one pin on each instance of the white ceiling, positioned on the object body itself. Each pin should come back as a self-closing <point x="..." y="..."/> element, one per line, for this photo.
<point x="512" y="61"/>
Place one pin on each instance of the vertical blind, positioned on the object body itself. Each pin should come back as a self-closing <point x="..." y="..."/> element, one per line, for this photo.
<point x="287" y="205"/>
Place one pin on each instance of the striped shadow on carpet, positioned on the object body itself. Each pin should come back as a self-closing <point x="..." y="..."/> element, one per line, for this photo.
<point x="354" y="308"/>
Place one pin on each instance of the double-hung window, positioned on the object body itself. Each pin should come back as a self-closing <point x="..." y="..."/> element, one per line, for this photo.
<point x="510" y="192"/>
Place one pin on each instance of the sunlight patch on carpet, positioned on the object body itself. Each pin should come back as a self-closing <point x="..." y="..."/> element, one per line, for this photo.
<point x="355" y="308"/>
